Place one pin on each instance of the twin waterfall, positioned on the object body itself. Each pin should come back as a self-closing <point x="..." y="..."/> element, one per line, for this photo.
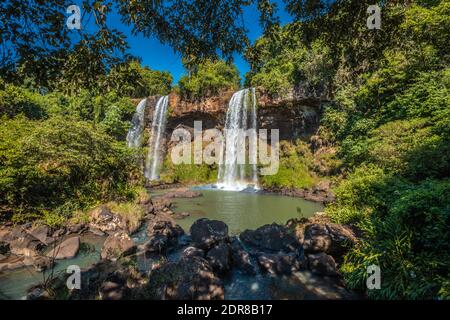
<point x="155" y="156"/>
<point x="134" y="136"/>
<point x="241" y="116"/>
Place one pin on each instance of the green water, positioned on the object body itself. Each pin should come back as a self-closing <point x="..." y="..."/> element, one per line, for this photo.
<point x="15" y="283"/>
<point x="240" y="210"/>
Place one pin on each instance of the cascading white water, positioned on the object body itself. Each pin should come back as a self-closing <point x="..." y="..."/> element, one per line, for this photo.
<point x="233" y="173"/>
<point x="134" y="135"/>
<point x="155" y="155"/>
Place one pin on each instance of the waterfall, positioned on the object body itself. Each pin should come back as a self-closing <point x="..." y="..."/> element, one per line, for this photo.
<point x="233" y="175"/>
<point x="155" y="156"/>
<point x="134" y="135"/>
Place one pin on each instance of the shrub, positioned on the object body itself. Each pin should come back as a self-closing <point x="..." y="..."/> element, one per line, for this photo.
<point x="209" y="79"/>
<point x="60" y="165"/>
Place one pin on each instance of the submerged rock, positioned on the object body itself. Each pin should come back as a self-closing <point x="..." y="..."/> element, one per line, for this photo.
<point x="205" y="233"/>
<point x="182" y="193"/>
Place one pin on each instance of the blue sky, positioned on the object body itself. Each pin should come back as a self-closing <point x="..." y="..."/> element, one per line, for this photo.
<point x="162" y="57"/>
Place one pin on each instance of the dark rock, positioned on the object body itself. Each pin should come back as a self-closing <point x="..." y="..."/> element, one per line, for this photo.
<point x="182" y="193"/>
<point x="241" y="259"/>
<point x="219" y="257"/>
<point x="118" y="245"/>
<point x="316" y="238"/>
<point x="157" y="243"/>
<point x="4" y="247"/>
<point x="163" y="235"/>
<point x="205" y="233"/>
<point x="329" y="238"/>
<point x="280" y="263"/>
<point x="271" y="237"/>
<point x="76" y="228"/>
<point x="26" y="245"/>
<point x="68" y="249"/>
<point x="104" y="220"/>
<point x="96" y="232"/>
<point x="187" y="279"/>
<point x="38" y="293"/>
<point x="59" y="233"/>
<point x="112" y="291"/>
<point x="193" y="252"/>
<point x="322" y="264"/>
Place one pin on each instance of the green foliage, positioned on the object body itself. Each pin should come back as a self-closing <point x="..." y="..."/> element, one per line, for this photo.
<point x="188" y="173"/>
<point x="16" y="100"/>
<point x="209" y="79"/>
<point x="133" y="80"/>
<point x="52" y="166"/>
<point x="295" y="167"/>
<point x="410" y="244"/>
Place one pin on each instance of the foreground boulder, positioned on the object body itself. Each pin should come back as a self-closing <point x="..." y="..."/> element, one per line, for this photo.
<point x="271" y="237"/>
<point x="187" y="279"/>
<point x="118" y="245"/>
<point x="281" y="263"/>
<point x="43" y="233"/>
<point x="205" y="233"/>
<point x="220" y="257"/>
<point x="241" y="258"/>
<point x="330" y="238"/>
<point x="322" y="264"/>
<point x="102" y="219"/>
<point x="68" y="249"/>
<point x="26" y="245"/>
<point x="163" y="236"/>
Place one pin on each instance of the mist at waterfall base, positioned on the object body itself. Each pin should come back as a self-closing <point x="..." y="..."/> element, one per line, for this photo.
<point x="233" y="176"/>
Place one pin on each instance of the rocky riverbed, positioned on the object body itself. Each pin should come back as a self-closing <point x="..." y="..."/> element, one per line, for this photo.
<point x="159" y="260"/>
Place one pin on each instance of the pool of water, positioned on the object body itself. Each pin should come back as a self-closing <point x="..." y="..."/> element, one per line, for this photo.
<point x="15" y="283"/>
<point x="243" y="210"/>
<point x="239" y="210"/>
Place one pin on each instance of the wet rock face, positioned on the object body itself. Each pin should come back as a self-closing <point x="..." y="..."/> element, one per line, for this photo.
<point x="205" y="233"/>
<point x="190" y="278"/>
<point x="182" y="193"/>
<point x="272" y="237"/>
<point x="118" y="245"/>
